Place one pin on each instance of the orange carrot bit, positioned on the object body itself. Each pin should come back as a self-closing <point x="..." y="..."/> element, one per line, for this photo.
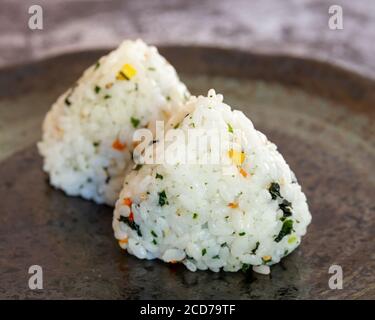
<point x="117" y="145"/>
<point x="131" y="216"/>
<point x="127" y="201"/>
<point x="135" y="143"/>
<point x="174" y="261"/>
<point x="243" y="172"/>
<point x="233" y="205"/>
<point x="123" y="241"/>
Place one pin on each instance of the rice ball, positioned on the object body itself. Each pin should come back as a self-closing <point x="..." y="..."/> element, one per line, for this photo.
<point x="87" y="134"/>
<point x="247" y="209"/>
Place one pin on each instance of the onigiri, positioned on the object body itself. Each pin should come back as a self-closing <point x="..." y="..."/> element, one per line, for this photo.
<point x="87" y="134"/>
<point x="246" y="210"/>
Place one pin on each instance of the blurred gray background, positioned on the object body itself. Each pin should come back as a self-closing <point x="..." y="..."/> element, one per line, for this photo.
<point x="297" y="27"/>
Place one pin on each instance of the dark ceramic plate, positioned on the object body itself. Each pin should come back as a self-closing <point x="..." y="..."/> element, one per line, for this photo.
<point x="322" y="118"/>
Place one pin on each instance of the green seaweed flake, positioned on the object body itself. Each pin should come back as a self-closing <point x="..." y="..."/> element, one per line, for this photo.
<point x="131" y="224"/>
<point x="286" y="229"/>
<point x="163" y="198"/>
<point x="274" y="190"/>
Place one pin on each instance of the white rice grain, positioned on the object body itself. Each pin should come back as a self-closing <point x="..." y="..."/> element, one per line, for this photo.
<point x="205" y="218"/>
<point x="87" y="134"/>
